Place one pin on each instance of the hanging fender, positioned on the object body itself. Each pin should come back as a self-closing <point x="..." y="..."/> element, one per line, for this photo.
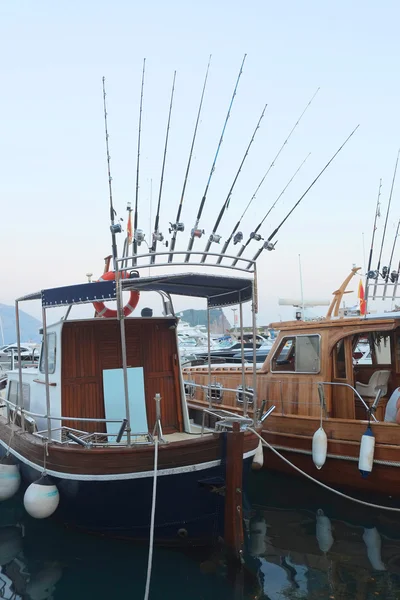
<point x="109" y="313"/>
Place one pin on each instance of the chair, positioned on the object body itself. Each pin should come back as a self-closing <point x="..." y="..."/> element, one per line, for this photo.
<point x="378" y="380"/>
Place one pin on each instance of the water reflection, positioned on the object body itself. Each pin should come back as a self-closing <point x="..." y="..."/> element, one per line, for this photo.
<point x="314" y="546"/>
<point x="300" y="545"/>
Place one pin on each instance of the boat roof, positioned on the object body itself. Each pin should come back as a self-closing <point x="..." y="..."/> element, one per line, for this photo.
<point x="219" y="290"/>
<point x="367" y="320"/>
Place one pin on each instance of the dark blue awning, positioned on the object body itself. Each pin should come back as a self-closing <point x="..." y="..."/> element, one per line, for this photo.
<point x="218" y="290"/>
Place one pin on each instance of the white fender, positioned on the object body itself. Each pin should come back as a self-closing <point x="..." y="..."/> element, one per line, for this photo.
<point x="258" y="532"/>
<point x="10" y="543"/>
<point x="258" y="458"/>
<point x="324" y="532"/>
<point x="372" y="540"/>
<point x="41" y="498"/>
<point x="319" y="448"/>
<point x="10" y="480"/>
<point x="367" y="448"/>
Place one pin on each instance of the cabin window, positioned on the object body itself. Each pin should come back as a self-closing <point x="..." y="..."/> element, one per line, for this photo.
<point x="214" y="393"/>
<point x="240" y="395"/>
<point x="190" y="389"/>
<point x="13" y="391"/>
<point x="373" y="349"/>
<point x="340" y="362"/>
<point x="298" y="354"/>
<point x="51" y="354"/>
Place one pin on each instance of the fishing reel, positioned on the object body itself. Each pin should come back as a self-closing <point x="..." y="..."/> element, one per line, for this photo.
<point x="175" y="227"/>
<point x="116" y="228"/>
<point x="372" y="275"/>
<point x="214" y="237"/>
<point x="394" y="276"/>
<point x="255" y="236"/>
<point x="197" y="233"/>
<point x="385" y="272"/>
<point x="158" y="236"/>
<point x="238" y="238"/>
<point x="269" y="246"/>
<point x="139" y="236"/>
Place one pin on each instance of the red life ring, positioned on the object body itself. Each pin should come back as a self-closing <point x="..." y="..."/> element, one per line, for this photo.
<point x="108" y="313"/>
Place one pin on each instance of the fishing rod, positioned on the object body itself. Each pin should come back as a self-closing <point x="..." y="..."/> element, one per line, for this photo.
<point x="256" y="236"/>
<point x="157" y="235"/>
<point x="371" y="274"/>
<point x="268" y="245"/>
<point x="239" y="236"/>
<point x="178" y="226"/>
<point x="392" y="276"/>
<point x="114" y="228"/>
<point x="195" y="232"/>
<point x="384" y="228"/>
<point x="135" y="218"/>
<point x="214" y="237"/>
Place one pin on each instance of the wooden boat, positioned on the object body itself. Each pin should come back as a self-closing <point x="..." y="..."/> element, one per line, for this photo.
<point x="312" y="373"/>
<point x="108" y="398"/>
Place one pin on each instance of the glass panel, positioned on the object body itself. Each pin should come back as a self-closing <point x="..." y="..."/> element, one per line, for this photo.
<point x="284" y="357"/>
<point x="51" y="352"/>
<point x="307" y="354"/>
<point x="382" y="349"/>
<point x="13" y="393"/>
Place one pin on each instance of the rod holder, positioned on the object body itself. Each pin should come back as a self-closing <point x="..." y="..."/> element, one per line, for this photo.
<point x="121" y="430"/>
<point x="267" y="413"/>
<point x="78" y="440"/>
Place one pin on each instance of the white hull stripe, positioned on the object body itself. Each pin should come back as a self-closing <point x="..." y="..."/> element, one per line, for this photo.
<point x="120" y="476"/>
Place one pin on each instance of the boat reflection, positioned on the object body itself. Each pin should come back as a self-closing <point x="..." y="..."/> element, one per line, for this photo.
<point x="313" y="546"/>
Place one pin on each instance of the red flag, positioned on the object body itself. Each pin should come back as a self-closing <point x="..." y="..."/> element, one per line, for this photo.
<point x="361" y="298"/>
<point x="129" y="228"/>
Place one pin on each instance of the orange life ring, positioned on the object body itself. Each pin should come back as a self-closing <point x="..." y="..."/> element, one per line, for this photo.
<point x="109" y="313"/>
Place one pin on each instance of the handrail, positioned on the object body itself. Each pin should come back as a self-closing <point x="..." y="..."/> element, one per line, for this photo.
<point x="355" y="391"/>
<point x="134" y="258"/>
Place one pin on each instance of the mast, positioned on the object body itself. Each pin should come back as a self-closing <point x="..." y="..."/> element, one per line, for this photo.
<point x="177" y="226"/>
<point x="135" y="218"/>
<point x="157" y="235"/>
<point x="195" y="232"/>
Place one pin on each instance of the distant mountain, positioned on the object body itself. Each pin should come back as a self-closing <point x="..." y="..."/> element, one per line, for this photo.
<point x="29" y="326"/>
<point x="218" y="321"/>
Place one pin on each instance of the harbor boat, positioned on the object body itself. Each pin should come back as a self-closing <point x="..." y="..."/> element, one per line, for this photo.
<point x="104" y="414"/>
<point x="334" y="383"/>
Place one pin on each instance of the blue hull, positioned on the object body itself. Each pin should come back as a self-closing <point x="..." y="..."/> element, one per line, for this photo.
<point x="189" y="508"/>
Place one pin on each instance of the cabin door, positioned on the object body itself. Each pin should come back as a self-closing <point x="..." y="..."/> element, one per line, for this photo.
<point x="343" y="403"/>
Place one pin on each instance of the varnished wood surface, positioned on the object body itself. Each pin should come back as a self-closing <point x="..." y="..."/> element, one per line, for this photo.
<point x="89" y="347"/>
<point x="99" y="461"/>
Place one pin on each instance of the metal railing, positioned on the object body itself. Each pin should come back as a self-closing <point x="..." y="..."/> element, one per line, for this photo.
<point x="210" y="387"/>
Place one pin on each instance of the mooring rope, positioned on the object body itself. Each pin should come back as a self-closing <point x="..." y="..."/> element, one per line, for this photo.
<point x="153" y="512"/>
<point x="327" y="487"/>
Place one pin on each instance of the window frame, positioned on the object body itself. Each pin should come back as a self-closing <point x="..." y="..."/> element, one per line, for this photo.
<point x="295" y="336"/>
<point x="41" y="361"/>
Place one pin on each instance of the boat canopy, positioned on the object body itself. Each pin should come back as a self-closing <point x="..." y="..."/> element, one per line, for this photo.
<point x="219" y="290"/>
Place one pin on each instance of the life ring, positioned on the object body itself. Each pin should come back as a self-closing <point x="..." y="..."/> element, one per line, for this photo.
<point x="109" y="313"/>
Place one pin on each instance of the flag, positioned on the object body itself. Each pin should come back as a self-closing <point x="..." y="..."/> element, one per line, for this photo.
<point x="361" y="298"/>
<point x="129" y="228"/>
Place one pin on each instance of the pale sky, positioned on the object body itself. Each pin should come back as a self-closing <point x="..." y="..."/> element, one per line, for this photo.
<point x="52" y="153"/>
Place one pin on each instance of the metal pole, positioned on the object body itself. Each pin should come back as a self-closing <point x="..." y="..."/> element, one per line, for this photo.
<point x="46" y="373"/>
<point x="121" y="318"/>
<point x="242" y="353"/>
<point x="20" y="396"/>
<point x="209" y="356"/>
<point x="301" y="290"/>
<point x="254" y="309"/>
<point x="2" y="331"/>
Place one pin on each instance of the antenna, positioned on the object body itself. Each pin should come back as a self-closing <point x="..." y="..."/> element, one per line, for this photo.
<point x="114" y="228"/>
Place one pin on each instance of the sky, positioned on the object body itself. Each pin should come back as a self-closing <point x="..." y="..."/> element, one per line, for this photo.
<point x="54" y="193"/>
